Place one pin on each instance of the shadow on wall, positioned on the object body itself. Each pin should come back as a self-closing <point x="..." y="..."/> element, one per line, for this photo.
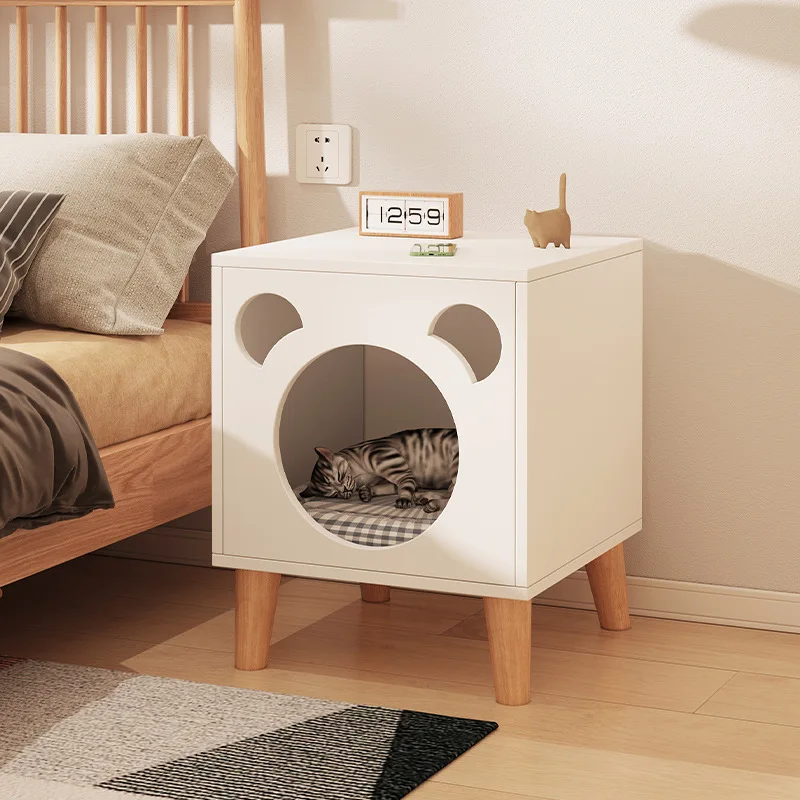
<point x="722" y="425"/>
<point x="766" y="30"/>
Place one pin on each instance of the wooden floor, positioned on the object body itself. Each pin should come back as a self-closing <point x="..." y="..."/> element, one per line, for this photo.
<point x="669" y="710"/>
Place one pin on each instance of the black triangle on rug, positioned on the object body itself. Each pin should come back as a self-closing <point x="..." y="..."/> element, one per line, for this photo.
<point x="424" y="744"/>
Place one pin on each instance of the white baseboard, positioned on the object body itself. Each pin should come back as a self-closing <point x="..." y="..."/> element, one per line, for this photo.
<point x="694" y="602"/>
<point x="649" y="597"/>
<point x="173" y="545"/>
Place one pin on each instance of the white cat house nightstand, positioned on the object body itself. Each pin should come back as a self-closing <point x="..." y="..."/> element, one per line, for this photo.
<point x="534" y="356"/>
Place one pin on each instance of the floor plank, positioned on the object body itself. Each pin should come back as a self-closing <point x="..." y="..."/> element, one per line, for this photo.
<point x="97" y="610"/>
<point x="761" y="698"/>
<point x="576" y="773"/>
<point x="670" y="641"/>
<point x="636" y="682"/>
<point x="444" y="791"/>
<point x="411" y="611"/>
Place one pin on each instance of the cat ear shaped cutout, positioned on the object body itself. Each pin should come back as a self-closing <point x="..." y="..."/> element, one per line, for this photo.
<point x="473" y="334"/>
<point x="263" y="321"/>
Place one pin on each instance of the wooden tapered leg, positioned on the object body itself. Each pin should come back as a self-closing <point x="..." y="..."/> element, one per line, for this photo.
<point x="256" y="601"/>
<point x="508" y="623"/>
<point x="610" y="590"/>
<point x="374" y="593"/>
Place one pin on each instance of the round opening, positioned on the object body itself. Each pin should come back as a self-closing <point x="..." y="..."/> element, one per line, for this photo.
<point x="368" y="443"/>
<point x="472" y="332"/>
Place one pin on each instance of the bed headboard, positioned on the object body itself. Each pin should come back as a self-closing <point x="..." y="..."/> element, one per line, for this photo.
<point x="249" y="95"/>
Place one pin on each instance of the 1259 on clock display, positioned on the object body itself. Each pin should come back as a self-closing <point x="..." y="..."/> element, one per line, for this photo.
<point x="412" y="214"/>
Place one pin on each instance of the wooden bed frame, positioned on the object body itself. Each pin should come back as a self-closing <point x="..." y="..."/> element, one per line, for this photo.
<point x="163" y="475"/>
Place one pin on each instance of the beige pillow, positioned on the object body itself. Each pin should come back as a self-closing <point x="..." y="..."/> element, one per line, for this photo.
<point x="137" y="208"/>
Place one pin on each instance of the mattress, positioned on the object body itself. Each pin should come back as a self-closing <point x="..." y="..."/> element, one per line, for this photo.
<point x="126" y="386"/>
<point x="375" y="524"/>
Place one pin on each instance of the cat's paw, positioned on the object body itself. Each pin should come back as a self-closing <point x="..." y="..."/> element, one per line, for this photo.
<point x="403" y="502"/>
<point x="429" y="505"/>
<point x="365" y="494"/>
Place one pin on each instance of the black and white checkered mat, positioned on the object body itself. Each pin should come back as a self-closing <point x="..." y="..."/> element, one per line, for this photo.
<point x="374" y="524"/>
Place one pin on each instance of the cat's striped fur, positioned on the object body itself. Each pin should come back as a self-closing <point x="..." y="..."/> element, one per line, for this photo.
<point x="405" y="463"/>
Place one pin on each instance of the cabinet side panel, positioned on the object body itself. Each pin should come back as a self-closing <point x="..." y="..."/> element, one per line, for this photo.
<point x="521" y="460"/>
<point x="584" y="411"/>
<point x="216" y="409"/>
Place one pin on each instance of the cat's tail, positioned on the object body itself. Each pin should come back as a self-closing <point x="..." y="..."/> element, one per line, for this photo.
<point x="562" y="192"/>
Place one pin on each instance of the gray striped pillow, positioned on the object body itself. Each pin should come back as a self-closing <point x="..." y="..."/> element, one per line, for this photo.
<point x="25" y="218"/>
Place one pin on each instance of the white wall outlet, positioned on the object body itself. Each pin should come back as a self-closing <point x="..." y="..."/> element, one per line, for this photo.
<point x="324" y="153"/>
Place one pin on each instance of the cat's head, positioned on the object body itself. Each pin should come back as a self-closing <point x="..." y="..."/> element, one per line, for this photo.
<point x="330" y="477"/>
<point x="531" y="219"/>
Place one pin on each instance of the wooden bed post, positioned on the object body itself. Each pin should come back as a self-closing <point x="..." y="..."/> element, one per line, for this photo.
<point x="257" y="592"/>
<point x="250" y="121"/>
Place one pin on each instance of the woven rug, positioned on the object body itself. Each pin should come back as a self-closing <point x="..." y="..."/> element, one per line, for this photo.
<point x="80" y="733"/>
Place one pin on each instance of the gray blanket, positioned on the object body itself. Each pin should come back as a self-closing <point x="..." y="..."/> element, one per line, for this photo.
<point x="50" y="468"/>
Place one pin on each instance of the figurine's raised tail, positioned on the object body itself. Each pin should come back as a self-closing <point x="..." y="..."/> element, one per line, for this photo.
<point x="562" y="192"/>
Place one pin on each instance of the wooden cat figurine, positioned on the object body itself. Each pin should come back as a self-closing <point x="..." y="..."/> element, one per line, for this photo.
<point x="551" y="226"/>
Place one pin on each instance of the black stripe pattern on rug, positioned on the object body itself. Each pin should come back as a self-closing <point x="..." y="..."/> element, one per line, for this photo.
<point x="362" y="753"/>
<point x="119" y="734"/>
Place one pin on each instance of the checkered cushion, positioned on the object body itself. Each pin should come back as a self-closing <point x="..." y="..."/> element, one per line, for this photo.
<point x="374" y="524"/>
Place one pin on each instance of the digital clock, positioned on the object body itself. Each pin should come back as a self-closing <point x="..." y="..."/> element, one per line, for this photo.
<point x="412" y="214"/>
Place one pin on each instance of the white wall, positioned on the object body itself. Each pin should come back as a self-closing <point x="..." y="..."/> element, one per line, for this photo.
<point x="676" y="121"/>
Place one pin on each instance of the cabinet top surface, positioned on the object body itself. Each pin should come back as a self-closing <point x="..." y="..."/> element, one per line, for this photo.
<point x="500" y="257"/>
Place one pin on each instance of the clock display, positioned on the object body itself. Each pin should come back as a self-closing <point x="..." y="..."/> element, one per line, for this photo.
<point x="407" y="215"/>
<point x="394" y="214"/>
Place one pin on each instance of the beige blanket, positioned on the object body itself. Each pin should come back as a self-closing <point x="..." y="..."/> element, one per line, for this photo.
<point x="126" y="386"/>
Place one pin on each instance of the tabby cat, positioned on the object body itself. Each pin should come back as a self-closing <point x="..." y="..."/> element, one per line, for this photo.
<point x="402" y="464"/>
